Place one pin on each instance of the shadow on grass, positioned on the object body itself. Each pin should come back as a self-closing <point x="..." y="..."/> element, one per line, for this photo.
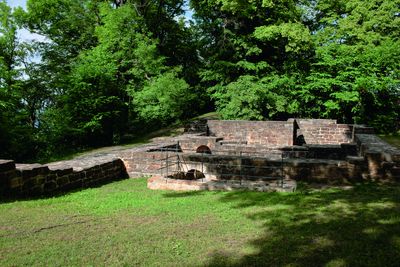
<point x="60" y="193"/>
<point x="183" y="194"/>
<point x="355" y="227"/>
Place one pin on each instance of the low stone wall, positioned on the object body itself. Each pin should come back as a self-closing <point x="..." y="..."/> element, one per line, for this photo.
<point x="382" y="159"/>
<point x="335" y="152"/>
<point x="224" y="167"/>
<point x="228" y="168"/>
<point x="326" y="171"/>
<point x="324" y="163"/>
<point x="319" y="131"/>
<point x="269" y="133"/>
<point x="142" y="163"/>
<point x="161" y="183"/>
<point x="36" y="179"/>
<point x="241" y="150"/>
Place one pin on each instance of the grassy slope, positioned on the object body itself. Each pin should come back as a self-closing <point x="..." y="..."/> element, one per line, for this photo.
<point x="126" y="224"/>
<point x="392" y="139"/>
<point x="172" y="130"/>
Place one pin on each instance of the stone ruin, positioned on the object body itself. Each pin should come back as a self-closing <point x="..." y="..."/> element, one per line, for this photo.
<point x="225" y="155"/>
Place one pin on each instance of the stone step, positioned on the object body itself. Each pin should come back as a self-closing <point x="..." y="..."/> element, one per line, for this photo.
<point x="232" y="142"/>
<point x="247" y="177"/>
<point x="355" y="159"/>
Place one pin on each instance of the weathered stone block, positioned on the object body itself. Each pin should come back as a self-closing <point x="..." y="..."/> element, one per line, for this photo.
<point x="51" y="177"/>
<point x="50" y="186"/>
<point x="7" y="175"/>
<point x="61" y="171"/>
<point x="28" y="171"/>
<point x="16" y="182"/>
<point x="36" y="190"/>
<point x="63" y="180"/>
<point x="6" y="165"/>
<point x="75" y="176"/>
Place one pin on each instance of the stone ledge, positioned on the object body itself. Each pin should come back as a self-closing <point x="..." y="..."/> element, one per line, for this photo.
<point x="36" y="179"/>
<point x="161" y="183"/>
<point x="6" y="165"/>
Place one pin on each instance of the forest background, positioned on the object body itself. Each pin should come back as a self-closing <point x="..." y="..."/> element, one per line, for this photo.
<point x="106" y="70"/>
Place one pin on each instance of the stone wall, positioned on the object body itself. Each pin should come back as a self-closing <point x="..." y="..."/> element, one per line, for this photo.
<point x="191" y="143"/>
<point x="320" y="131"/>
<point x="225" y="167"/>
<point x="373" y="160"/>
<point x="269" y="133"/>
<point x="382" y="159"/>
<point x="282" y="133"/>
<point x="161" y="183"/>
<point x="37" y="179"/>
<point x="142" y="163"/>
<point x="241" y="150"/>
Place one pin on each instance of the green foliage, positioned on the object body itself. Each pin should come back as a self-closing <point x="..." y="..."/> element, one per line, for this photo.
<point x="17" y="136"/>
<point x="357" y="63"/>
<point x="106" y="71"/>
<point x="255" y="99"/>
<point x="164" y="99"/>
<point x="298" y="37"/>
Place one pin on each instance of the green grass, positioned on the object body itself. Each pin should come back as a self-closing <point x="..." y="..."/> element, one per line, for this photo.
<point x="393" y="139"/>
<point x="125" y="224"/>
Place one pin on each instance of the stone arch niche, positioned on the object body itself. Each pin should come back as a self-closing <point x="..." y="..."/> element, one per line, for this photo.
<point x="194" y="175"/>
<point x="203" y="149"/>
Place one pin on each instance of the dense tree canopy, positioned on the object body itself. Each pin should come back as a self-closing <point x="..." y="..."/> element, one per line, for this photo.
<point x="112" y="68"/>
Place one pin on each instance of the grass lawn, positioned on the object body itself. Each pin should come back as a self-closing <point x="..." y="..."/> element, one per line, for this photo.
<point x="125" y="224"/>
<point x="393" y="139"/>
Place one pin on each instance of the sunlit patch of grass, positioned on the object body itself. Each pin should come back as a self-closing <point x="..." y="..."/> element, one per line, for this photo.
<point x="373" y="232"/>
<point x="393" y="139"/>
<point x="126" y="224"/>
<point x="323" y="242"/>
<point x="394" y="220"/>
<point x="336" y="263"/>
<point x="382" y="205"/>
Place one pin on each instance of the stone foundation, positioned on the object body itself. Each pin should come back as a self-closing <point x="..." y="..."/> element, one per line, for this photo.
<point x="333" y="153"/>
<point x="162" y="183"/>
<point x="257" y="154"/>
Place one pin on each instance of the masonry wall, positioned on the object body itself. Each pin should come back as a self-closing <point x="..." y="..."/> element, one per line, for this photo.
<point x="36" y="179"/>
<point x="382" y="160"/>
<point x="190" y="144"/>
<point x="269" y="133"/>
<point x="142" y="163"/>
<point x="376" y="160"/>
<point x="320" y="131"/>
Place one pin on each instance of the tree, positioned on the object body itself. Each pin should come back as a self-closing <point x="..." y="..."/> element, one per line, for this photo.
<point x="164" y="99"/>
<point x="357" y="64"/>
<point x="17" y="132"/>
<point x="258" y="39"/>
